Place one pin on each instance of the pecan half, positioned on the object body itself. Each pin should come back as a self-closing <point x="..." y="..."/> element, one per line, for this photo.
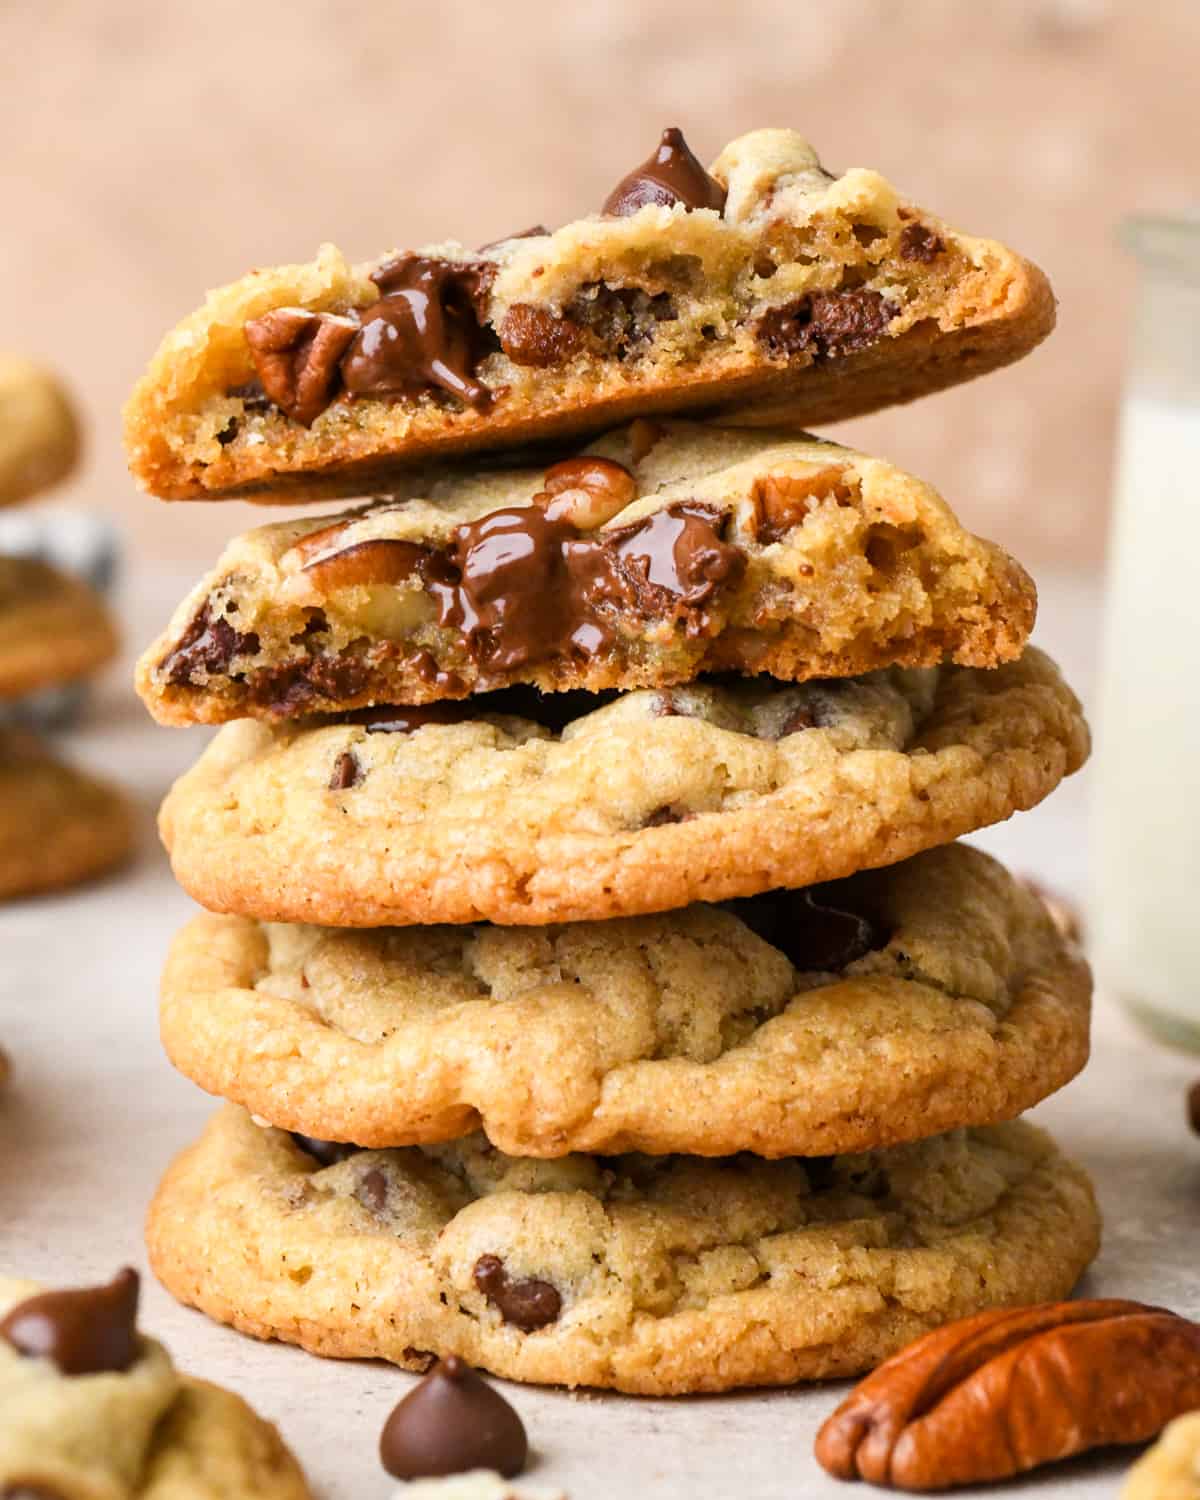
<point x="585" y="491"/>
<point x="994" y="1395"/>
<point x="296" y="354"/>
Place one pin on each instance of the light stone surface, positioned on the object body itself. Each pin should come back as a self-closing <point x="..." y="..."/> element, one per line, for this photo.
<point x="93" y="1114"/>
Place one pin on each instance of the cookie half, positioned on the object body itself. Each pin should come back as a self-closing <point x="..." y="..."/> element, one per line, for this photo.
<point x="58" y="825"/>
<point x="144" y="1432"/>
<point x="895" y="1004"/>
<point x="657" y="1276"/>
<point x="662" y="551"/>
<point x="53" y="628"/>
<point x="462" y="812"/>
<point x="39" y="433"/>
<point x="770" y="287"/>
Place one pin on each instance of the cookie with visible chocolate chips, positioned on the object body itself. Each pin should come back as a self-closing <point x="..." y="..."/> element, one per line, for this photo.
<point x="91" y="1407"/>
<point x="664" y="550"/>
<point x="653" y="1275"/>
<point x="765" y="286"/>
<point x="58" y="825"/>
<point x="527" y="810"/>
<point x="39" y="432"/>
<point x="53" y="628"/>
<point x="932" y="994"/>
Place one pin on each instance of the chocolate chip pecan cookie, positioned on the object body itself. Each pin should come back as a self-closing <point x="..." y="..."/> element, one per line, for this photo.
<point x="932" y="994"/>
<point x="39" y="434"/>
<point x="58" y="826"/>
<point x="91" y="1409"/>
<point x="509" y="809"/>
<point x="661" y="551"/>
<point x="53" y="628"/>
<point x="770" y="287"/>
<point x="654" y="1275"/>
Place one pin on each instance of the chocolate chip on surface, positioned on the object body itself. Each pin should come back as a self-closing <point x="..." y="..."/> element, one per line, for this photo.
<point x="328" y="1153"/>
<point x="83" y="1331"/>
<point x="814" y="936"/>
<point x="426" y="331"/>
<point x="452" y="1422"/>
<point x="672" y="174"/>
<point x="296" y="354"/>
<point x="346" y="772"/>
<point x="527" y="1305"/>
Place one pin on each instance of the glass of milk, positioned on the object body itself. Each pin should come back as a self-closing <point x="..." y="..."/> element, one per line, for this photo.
<point x="1147" y="779"/>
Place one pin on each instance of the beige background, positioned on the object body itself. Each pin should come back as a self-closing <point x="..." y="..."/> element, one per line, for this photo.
<point x="154" y="150"/>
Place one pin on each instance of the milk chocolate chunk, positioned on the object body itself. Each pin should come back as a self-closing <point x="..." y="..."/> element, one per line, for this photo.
<point x="527" y="1305"/>
<point x="296" y="355"/>
<point x="451" y="1423"/>
<point x="328" y="1153"/>
<point x="83" y="1331"/>
<point x="671" y="175"/>
<point x="209" y="644"/>
<point x="810" y="927"/>
<point x="828" y="324"/>
<point x="426" y="331"/>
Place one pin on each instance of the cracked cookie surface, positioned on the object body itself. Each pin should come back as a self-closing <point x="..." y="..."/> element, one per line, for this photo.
<point x="58" y="825"/>
<point x="650" y="802"/>
<point x="879" y="1009"/>
<point x="53" y="628"/>
<point x="143" y="1433"/>
<point x="661" y="551"/>
<point x="650" y="1275"/>
<point x="780" y="293"/>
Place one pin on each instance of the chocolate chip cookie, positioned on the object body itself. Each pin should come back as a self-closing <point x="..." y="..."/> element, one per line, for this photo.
<point x="654" y="1275"/>
<point x="90" y="1408"/>
<point x="53" y="628"/>
<point x="661" y="551"/>
<point x="58" y="826"/>
<point x="932" y="994"/>
<point x="509" y="809"/>
<point x="39" y="433"/>
<point x="769" y="287"/>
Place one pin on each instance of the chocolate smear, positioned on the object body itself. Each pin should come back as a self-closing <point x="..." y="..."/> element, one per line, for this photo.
<point x="452" y="1422"/>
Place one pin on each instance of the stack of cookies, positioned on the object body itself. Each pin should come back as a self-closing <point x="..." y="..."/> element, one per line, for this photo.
<point x="57" y="825"/>
<point x="597" y="987"/>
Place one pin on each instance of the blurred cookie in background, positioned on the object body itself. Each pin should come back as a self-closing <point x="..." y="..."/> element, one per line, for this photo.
<point x="39" y="431"/>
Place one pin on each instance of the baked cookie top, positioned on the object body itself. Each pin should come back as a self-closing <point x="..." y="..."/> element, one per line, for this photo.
<point x="663" y="550"/>
<point x="526" y="810"/>
<point x="53" y="627"/>
<point x="58" y="825"/>
<point x="91" y="1409"/>
<point x="768" y="287"/>
<point x="655" y="1275"/>
<point x="889" y="1006"/>
<point x="39" y="433"/>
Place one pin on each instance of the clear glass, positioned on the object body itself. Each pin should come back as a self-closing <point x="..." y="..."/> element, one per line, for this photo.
<point x="1147" y="779"/>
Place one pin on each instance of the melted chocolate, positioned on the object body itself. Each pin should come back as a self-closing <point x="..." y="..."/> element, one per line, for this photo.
<point x="427" y="329"/>
<point x="671" y="175"/>
<point x="811" y="928"/>
<point x="403" y="719"/>
<point x="209" y="644"/>
<point x="451" y="1423"/>
<point x="827" y="324"/>
<point x="83" y="1331"/>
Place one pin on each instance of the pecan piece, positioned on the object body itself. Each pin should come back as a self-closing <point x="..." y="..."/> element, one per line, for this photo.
<point x="532" y="336"/>
<point x="994" y="1395"/>
<point x="296" y="354"/>
<point x="585" y="491"/>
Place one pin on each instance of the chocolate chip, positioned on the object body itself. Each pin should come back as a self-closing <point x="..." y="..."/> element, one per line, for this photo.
<point x="1193" y="1106"/>
<point x="208" y="644"/>
<point x="83" y="1331"/>
<point x="451" y="1423"/>
<point x="918" y="242"/>
<point x="346" y="772"/>
<point x="662" y="816"/>
<point x="291" y="689"/>
<point x="827" y="324"/>
<point x="427" y="331"/>
<point x="811" y="928"/>
<point x="296" y="354"/>
<point x="252" y="396"/>
<point x="537" y="338"/>
<point x="372" y="1191"/>
<point x="527" y="1305"/>
<point x="328" y="1153"/>
<point x="671" y="175"/>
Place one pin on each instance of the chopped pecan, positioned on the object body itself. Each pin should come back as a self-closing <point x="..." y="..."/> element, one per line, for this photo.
<point x="376" y="560"/>
<point x="782" y="501"/>
<point x="296" y="354"/>
<point x="994" y="1395"/>
<point x="532" y="336"/>
<point x="585" y="491"/>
